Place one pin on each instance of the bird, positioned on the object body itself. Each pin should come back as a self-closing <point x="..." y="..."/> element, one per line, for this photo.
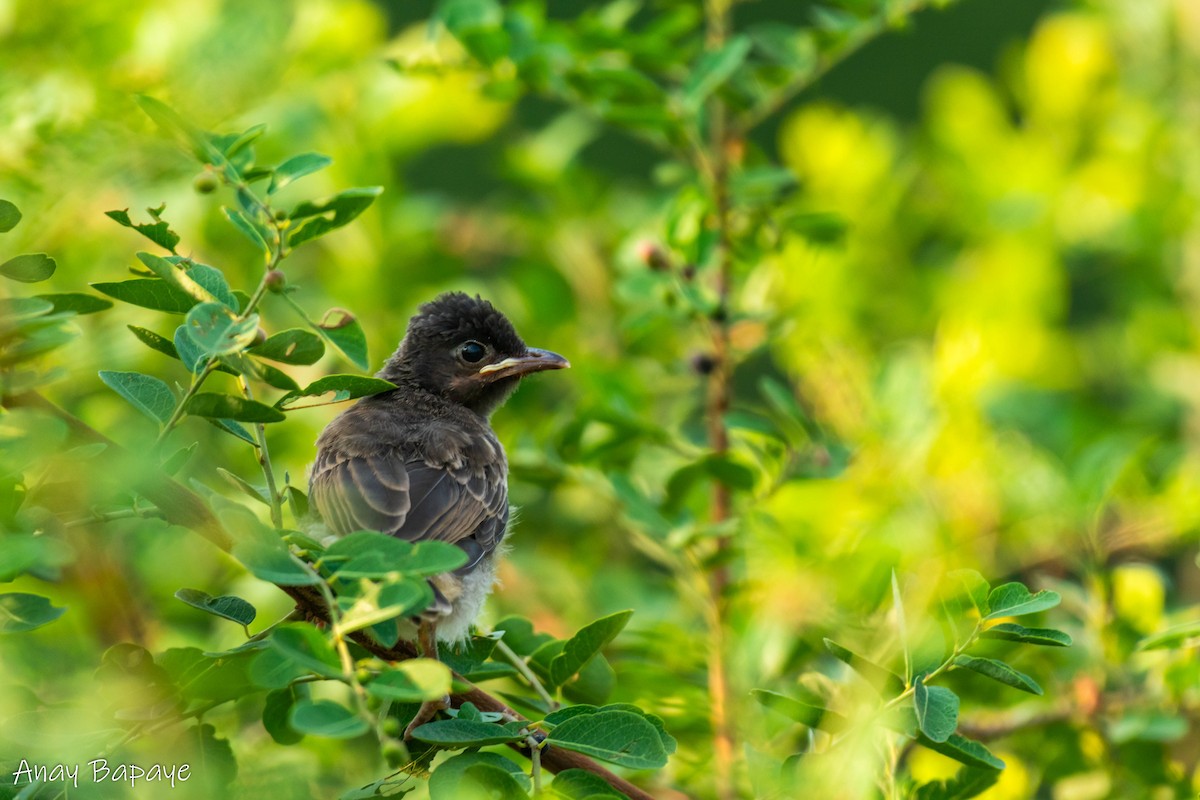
<point x="421" y="461"/>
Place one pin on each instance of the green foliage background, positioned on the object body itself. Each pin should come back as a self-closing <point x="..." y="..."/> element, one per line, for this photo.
<point x="962" y="317"/>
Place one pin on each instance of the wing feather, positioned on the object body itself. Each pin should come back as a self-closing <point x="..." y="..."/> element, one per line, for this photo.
<point x="401" y="494"/>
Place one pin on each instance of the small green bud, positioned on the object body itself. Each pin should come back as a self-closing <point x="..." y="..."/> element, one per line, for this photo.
<point x="205" y="183"/>
<point x="276" y="281"/>
<point x="394" y="753"/>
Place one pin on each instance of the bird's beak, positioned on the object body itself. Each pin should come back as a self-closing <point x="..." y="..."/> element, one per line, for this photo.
<point x="534" y="360"/>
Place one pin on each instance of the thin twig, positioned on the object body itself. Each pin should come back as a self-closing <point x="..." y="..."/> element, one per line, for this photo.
<point x="526" y="673"/>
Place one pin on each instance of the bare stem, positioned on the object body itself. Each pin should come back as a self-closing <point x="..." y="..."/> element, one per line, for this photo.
<point x="526" y="673"/>
<point x="715" y="164"/>
<point x="264" y="460"/>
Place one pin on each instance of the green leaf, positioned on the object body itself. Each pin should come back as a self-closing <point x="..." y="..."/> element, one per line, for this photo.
<point x="594" y="683"/>
<point x="276" y="712"/>
<point x="29" y="268"/>
<point x="901" y="626"/>
<point x="14" y="309"/>
<point x="333" y="389"/>
<point x="520" y="636"/>
<point x="295" y="168"/>
<point x="308" y="647"/>
<point x="158" y="232"/>
<point x="10" y="215"/>
<point x="205" y="676"/>
<point x="712" y="69"/>
<point x="454" y="778"/>
<point x="579" y="784"/>
<point x="225" y="406"/>
<point x="76" y="302"/>
<point x="468" y="733"/>
<point x="937" y="710"/>
<point x="261" y="550"/>
<point x="619" y="737"/>
<point x="176" y="461"/>
<point x="1175" y="638"/>
<point x="881" y="678"/>
<point x="212" y="280"/>
<point x="1014" y="600"/>
<point x="177" y="278"/>
<point x="585" y="644"/>
<point x="999" y="671"/>
<point x="225" y="606"/>
<point x="341" y="329"/>
<point x="21" y="612"/>
<point x="963" y="750"/>
<point x="412" y="681"/>
<point x="217" y="331"/>
<point x="271" y="669"/>
<point x="200" y="745"/>
<point x="330" y="214"/>
<point x="274" y="377"/>
<point x="187" y="351"/>
<point x="1012" y="632"/>
<point x="149" y="395"/>
<point x="369" y="554"/>
<point x="326" y="718"/>
<point x="231" y="427"/>
<point x="969" y="782"/>
<point x="148" y="293"/>
<point x="293" y="346"/>
<point x="805" y="714"/>
<point x="975" y="587"/>
<point x="372" y="605"/>
<point x="248" y="229"/>
<point x="38" y="555"/>
<point x="180" y="129"/>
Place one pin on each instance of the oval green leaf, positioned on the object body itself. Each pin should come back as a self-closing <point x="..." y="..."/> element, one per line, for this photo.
<point x="999" y="671"/>
<point x="326" y="718"/>
<point x="226" y="606"/>
<point x="29" y="268"/>
<point x="412" y="681"/>
<point x="334" y="389"/>
<point x="468" y="733"/>
<point x="147" y="394"/>
<point x="10" y="215"/>
<point x="225" y="406"/>
<point x="293" y="346"/>
<point x="21" y="612"/>
<point x="619" y="737"/>
<point x="937" y="710"/>
<point x="1015" y="600"/>
<point x="76" y="302"/>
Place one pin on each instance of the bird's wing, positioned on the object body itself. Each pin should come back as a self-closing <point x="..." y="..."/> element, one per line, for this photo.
<point x="403" y="495"/>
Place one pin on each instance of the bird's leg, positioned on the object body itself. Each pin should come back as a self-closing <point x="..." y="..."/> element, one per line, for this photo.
<point x="427" y="643"/>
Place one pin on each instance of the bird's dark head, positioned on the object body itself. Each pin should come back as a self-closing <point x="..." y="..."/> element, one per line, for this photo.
<point x="463" y="349"/>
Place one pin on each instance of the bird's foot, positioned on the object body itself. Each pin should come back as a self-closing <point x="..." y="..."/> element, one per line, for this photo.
<point x="429" y="709"/>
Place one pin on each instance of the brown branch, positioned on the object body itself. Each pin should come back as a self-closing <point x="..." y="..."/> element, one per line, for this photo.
<point x="183" y="507"/>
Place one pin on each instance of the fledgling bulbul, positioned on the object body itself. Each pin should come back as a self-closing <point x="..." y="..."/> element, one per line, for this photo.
<point x="421" y="461"/>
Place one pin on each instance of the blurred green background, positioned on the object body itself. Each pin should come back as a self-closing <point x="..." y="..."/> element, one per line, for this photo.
<point x="988" y="358"/>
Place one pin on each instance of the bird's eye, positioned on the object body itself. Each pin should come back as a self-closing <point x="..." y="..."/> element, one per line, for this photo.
<point x="472" y="352"/>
